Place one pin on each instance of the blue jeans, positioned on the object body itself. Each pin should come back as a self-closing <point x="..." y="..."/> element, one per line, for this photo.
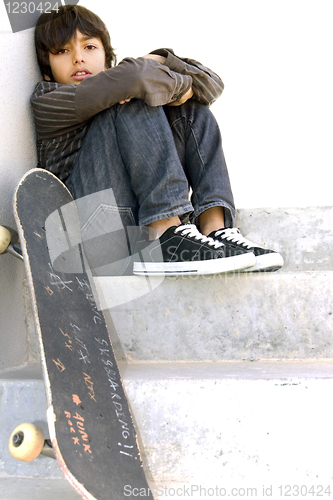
<point x="150" y="163"/>
<point x="139" y="162"/>
<point x="199" y="145"/>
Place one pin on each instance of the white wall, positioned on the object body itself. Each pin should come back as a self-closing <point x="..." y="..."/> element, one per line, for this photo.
<point x="275" y="58"/>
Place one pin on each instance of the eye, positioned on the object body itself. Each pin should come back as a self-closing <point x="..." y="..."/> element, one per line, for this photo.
<point x="90" y="47"/>
<point x="61" y="51"/>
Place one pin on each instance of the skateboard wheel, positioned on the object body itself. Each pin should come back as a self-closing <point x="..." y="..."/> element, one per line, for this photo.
<point x="26" y="442"/>
<point x="5" y="238"/>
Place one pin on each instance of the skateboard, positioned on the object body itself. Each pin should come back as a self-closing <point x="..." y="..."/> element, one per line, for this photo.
<point x="90" y="424"/>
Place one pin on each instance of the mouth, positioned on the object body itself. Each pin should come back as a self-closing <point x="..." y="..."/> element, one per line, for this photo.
<point x="81" y="74"/>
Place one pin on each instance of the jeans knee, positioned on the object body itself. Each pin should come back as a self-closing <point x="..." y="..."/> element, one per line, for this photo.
<point x="196" y="108"/>
<point x="190" y="112"/>
<point x="135" y="106"/>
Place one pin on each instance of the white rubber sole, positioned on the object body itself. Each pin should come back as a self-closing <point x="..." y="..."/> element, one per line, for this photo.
<point x="267" y="262"/>
<point x="212" y="266"/>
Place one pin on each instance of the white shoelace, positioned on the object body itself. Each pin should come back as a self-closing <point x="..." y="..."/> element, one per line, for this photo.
<point x="192" y="231"/>
<point x="233" y="234"/>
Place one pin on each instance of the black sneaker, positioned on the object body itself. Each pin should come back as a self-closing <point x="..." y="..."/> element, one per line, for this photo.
<point x="266" y="260"/>
<point x="184" y="250"/>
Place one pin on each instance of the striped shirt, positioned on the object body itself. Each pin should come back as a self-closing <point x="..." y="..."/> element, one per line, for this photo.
<point x="63" y="112"/>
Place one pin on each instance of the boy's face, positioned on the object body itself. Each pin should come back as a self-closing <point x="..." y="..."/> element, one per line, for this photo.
<point x="80" y="58"/>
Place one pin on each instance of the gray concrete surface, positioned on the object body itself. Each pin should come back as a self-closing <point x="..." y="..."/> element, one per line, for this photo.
<point x="17" y="155"/>
<point x="228" y="376"/>
<point x="18" y="488"/>
<point x="303" y="236"/>
<point x="202" y="425"/>
<point x="218" y="431"/>
<point x="23" y="401"/>
<point x="287" y="314"/>
<point x="258" y="316"/>
<point x="244" y="316"/>
<point x="14" y="349"/>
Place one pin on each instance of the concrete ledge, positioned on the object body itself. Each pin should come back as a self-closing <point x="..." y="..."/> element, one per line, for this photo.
<point x="202" y="424"/>
<point x="303" y="236"/>
<point x="283" y="370"/>
<point x="17" y="488"/>
<point x="23" y="401"/>
<point x="27" y="372"/>
<point x="220" y="317"/>
<point x="282" y="315"/>
<point x="217" y="432"/>
<point x="208" y="424"/>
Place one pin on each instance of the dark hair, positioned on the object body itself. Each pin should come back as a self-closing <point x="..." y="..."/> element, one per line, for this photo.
<point x="54" y="29"/>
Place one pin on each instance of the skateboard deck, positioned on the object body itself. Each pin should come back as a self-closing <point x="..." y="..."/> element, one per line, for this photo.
<point x="89" y="420"/>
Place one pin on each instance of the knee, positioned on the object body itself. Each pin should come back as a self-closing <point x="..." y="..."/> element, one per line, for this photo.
<point x="191" y="111"/>
<point x="137" y="113"/>
<point x="197" y="108"/>
<point x="135" y="106"/>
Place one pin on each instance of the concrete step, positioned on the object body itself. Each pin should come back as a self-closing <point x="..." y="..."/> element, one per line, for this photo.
<point x="18" y="488"/>
<point x="234" y="423"/>
<point x="227" y="375"/>
<point x="236" y="316"/>
<point x="287" y="314"/>
<point x="303" y="236"/>
<point x="202" y="425"/>
<point x="22" y="399"/>
<point x="221" y="317"/>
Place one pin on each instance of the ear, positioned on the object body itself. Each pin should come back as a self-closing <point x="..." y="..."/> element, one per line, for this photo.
<point x="47" y="78"/>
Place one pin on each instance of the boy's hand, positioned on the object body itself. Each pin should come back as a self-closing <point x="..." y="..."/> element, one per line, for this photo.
<point x="185" y="97"/>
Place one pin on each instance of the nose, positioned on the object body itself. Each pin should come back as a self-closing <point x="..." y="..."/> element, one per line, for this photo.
<point x="78" y="56"/>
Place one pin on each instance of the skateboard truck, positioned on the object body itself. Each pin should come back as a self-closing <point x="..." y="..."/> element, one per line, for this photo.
<point x="27" y="442"/>
<point x="6" y="246"/>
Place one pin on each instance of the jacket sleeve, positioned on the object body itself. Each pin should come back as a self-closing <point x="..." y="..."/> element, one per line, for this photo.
<point x="207" y="86"/>
<point x="133" y="78"/>
<point x="59" y="107"/>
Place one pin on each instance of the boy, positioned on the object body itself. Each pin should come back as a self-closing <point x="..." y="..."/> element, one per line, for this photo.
<point x="143" y="129"/>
